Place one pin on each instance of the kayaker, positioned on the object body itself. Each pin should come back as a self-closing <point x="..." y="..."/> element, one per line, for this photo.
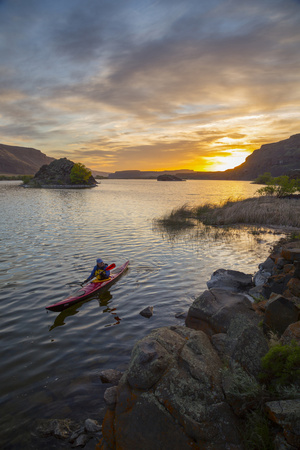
<point x="99" y="271"/>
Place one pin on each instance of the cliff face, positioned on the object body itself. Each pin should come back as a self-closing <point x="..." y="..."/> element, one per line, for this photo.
<point x="278" y="158"/>
<point x="21" y="160"/>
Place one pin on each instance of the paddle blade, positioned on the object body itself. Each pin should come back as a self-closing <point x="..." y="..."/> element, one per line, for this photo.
<point x="112" y="266"/>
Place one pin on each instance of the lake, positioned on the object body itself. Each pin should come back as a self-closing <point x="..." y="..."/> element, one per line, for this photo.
<point x="50" y="240"/>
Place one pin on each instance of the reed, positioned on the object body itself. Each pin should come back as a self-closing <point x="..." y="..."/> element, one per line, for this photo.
<point x="265" y="211"/>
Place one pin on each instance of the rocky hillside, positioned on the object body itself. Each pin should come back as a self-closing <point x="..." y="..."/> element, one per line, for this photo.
<point x="278" y="159"/>
<point x="21" y="160"/>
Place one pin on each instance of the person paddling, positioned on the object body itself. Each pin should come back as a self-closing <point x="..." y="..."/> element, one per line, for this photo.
<point x="99" y="271"/>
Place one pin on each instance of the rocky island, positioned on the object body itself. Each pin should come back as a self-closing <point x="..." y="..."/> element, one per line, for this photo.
<point x="62" y="174"/>
<point x="166" y="177"/>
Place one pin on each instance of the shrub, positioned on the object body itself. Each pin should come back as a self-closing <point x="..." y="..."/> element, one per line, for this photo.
<point x="26" y="178"/>
<point x="281" y="365"/>
<point x="280" y="186"/>
<point x="263" y="179"/>
<point x="79" y="174"/>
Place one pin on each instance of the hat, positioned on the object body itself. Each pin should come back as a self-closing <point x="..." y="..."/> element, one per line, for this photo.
<point x="99" y="261"/>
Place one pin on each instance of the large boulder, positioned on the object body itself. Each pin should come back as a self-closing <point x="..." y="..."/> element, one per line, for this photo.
<point x="232" y="280"/>
<point x="213" y="311"/>
<point x="280" y="312"/>
<point x="286" y="413"/>
<point x="292" y="333"/>
<point x="171" y="397"/>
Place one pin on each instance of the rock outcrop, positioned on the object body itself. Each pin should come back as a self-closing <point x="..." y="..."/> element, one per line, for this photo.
<point x="58" y="174"/>
<point x="194" y="386"/>
<point x="166" y="177"/>
<point x="171" y="396"/>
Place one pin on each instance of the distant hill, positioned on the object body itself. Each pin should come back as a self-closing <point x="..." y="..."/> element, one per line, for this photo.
<point x="21" y="160"/>
<point x="278" y="159"/>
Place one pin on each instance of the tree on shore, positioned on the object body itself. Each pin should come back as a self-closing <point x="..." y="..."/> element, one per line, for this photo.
<point x="280" y="186"/>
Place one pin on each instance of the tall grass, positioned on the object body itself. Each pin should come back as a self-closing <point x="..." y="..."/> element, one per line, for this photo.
<point x="266" y="211"/>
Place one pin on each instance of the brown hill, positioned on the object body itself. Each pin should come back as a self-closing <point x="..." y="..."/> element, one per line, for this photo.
<point x="278" y="158"/>
<point x="21" y="160"/>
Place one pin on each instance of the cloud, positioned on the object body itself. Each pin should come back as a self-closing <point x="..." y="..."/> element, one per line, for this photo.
<point x="137" y="77"/>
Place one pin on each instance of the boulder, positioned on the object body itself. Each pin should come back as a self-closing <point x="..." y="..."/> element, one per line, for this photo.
<point x="213" y="311"/>
<point x="268" y="265"/>
<point x="232" y="280"/>
<point x="280" y="312"/>
<point x="276" y="284"/>
<point x="110" y="376"/>
<point x="286" y="413"/>
<point x="291" y="254"/>
<point x="110" y="397"/>
<point x="147" y="312"/>
<point x="293" y="288"/>
<point x="292" y="333"/>
<point x="171" y="397"/>
<point x="245" y="344"/>
<point x="261" y="277"/>
<point x="241" y="390"/>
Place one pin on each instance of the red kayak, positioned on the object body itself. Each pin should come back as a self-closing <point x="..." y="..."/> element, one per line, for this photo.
<point x="88" y="290"/>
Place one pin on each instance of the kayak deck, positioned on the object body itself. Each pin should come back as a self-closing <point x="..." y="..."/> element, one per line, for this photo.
<point x="88" y="290"/>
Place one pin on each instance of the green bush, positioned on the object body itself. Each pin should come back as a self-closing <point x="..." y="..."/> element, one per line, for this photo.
<point x="26" y="178"/>
<point x="280" y="186"/>
<point x="80" y="174"/>
<point x="263" y="179"/>
<point x="281" y="365"/>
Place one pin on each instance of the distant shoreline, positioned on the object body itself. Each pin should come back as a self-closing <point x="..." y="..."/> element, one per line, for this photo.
<point x="58" y="186"/>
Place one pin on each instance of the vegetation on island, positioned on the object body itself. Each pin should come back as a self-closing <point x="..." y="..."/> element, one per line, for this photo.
<point x="80" y="174"/>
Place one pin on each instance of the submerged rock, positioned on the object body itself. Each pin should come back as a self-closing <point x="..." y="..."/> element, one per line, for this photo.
<point x="147" y="312"/>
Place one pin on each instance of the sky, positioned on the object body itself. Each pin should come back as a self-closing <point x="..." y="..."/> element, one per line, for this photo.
<point x="149" y="84"/>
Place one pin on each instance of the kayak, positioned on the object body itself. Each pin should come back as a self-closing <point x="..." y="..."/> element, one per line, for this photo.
<point x="88" y="290"/>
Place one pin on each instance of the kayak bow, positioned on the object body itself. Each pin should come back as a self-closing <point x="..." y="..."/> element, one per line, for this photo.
<point x="88" y="290"/>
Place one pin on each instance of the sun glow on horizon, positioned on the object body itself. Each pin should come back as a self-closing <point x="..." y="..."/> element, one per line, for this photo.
<point x="222" y="163"/>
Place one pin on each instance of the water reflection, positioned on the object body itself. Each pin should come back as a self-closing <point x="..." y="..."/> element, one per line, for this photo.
<point x="104" y="299"/>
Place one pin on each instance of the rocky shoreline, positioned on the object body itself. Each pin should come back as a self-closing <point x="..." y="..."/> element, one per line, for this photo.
<point x="200" y="385"/>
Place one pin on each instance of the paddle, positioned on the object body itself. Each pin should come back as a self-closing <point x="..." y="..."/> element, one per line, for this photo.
<point x="112" y="266"/>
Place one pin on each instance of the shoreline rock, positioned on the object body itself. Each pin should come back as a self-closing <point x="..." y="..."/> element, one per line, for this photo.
<point x="194" y="386"/>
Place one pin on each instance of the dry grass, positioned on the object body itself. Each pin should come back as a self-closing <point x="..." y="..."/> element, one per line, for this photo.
<point x="179" y="218"/>
<point x="264" y="211"/>
<point x="271" y="212"/>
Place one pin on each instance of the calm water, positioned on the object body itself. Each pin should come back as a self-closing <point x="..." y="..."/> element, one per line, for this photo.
<point x="50" y="362"/>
